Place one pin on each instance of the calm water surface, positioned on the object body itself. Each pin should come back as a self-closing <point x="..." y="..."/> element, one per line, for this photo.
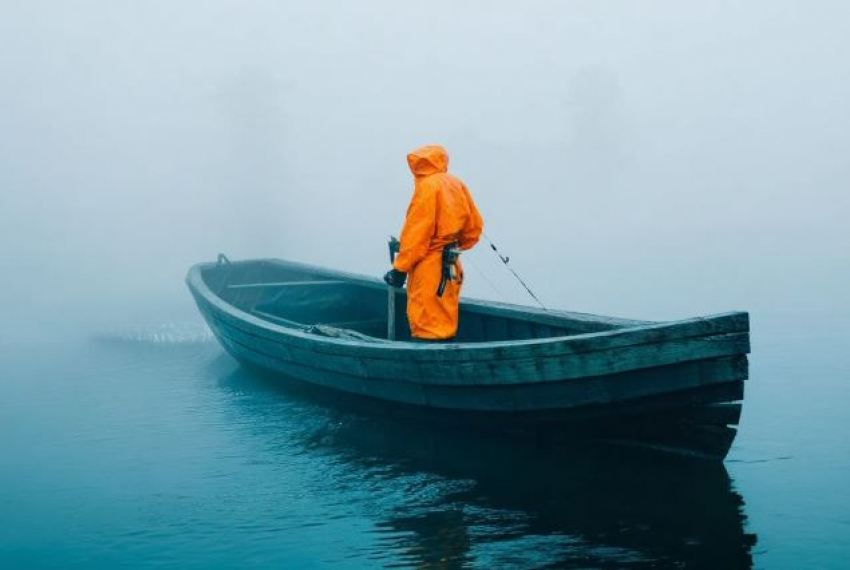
<point x="157" y="450"/>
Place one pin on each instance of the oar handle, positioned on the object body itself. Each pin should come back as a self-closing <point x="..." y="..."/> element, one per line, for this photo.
<point x="394" y="246"/>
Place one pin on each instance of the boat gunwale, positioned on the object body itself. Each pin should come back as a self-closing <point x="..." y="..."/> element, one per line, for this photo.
<point x="554" y="317"/>
<point x="379" y="348"/>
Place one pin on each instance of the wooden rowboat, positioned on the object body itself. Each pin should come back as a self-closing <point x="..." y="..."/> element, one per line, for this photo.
<point x="674" y="385"/>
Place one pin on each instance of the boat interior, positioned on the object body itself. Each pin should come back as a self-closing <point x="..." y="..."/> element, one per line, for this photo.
<point x="321" y="301"/>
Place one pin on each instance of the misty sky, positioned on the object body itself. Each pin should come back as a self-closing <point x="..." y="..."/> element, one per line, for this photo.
<point x="645" y="159"/>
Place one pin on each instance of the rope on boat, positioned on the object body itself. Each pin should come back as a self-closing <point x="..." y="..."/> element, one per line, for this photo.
<point x="505" y="259"/>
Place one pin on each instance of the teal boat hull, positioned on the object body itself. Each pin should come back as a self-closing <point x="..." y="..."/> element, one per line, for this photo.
<point x="669" y="385"/>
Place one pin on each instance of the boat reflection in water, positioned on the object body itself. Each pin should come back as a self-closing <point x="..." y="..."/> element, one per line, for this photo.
<point x="446" y="498"/>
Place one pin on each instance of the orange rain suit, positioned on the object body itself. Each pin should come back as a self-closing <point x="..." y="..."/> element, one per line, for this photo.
<point x="440" y="212"/>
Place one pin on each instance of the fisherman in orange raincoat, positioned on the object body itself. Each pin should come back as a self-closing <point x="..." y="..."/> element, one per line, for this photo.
<point x="441" y="214"/>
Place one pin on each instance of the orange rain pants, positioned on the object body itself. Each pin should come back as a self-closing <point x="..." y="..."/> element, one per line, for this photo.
<point x="440" y="212"/>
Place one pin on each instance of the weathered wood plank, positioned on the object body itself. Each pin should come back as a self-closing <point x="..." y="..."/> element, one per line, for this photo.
<point x="631" y="385"/>
<point x="520" y="329"/>
<point x="401" y="392"/>
<point x="543" y="369"/>
<point x="735" y="322"/>
<point x="713" y="414"/>
<point x="557" y="397"/>
<point x="279" y="320"/>
<point x="603" y="389"/>
<point x="583" y="322"/>
<point x="513" y="370"/>
<point x="355" y="325"/>
<point x="300" y="355"/>
<point x="496" y="329"/>
<point x="283" y="284"/>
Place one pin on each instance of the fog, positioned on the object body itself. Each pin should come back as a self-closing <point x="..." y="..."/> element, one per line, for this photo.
<point x="643" y="159"/>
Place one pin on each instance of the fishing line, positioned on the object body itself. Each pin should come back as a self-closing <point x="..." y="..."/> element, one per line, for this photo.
<point x="486" y="279"/>
<point x="505" y="259"/>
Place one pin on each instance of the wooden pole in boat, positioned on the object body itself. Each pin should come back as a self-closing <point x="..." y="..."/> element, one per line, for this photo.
<point x="390" y="312"/>
<point x="393" y="244"/>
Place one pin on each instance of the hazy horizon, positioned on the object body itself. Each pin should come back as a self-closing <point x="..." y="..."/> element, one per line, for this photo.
<point x="657" y="160"/>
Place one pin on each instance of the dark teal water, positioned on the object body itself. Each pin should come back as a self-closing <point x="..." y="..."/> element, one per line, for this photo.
<point x="157" y="450"/>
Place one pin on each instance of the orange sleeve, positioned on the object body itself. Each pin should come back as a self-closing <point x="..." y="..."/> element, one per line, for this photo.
<point x="419" y="227"/>
<point x="473" y="227"/>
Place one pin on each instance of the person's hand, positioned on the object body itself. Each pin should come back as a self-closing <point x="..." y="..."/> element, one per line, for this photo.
<point x="395" y="278"/>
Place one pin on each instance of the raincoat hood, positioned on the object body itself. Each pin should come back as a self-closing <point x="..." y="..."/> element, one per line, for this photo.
<point x="428" y="160"/>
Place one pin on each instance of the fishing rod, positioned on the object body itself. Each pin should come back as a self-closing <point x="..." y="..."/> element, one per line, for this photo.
<point x="505" y="259"/>
<point x="453" y="255"/>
